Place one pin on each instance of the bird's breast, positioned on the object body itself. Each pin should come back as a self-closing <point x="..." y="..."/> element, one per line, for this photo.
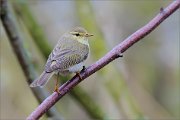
<point x="76" y="68"/>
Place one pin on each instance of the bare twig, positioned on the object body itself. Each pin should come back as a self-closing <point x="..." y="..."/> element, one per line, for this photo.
<point x="15" y="38"/>
<point x="109" y="57"/>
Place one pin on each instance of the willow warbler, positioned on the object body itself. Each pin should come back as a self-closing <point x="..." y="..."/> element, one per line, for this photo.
<point x="68" y="56"/>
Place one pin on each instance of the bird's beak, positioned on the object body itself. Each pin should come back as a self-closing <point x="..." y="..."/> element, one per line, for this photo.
<point x="88" y="35"/>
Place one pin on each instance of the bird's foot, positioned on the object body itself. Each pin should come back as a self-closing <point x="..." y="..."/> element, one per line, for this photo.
<point x="78" y="74"/>
<point x="56" y="90"/>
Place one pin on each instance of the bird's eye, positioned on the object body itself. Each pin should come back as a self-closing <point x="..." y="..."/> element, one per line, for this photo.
<point x="77" y="34"/>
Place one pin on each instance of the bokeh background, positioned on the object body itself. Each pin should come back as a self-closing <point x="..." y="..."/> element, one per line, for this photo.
<point x="144" y="84"/>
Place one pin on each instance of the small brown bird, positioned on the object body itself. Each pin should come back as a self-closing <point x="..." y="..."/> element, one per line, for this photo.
<point x="68" y="56"/>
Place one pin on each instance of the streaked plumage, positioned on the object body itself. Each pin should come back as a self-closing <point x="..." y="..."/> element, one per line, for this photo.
<point x="68" y="56"/>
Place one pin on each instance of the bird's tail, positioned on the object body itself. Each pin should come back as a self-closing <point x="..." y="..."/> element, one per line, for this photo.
<point x="42" y="79"/>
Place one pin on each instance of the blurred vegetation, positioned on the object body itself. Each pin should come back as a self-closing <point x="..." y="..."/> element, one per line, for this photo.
<point x="144" y="84"/>
<point x="13" y="31"/>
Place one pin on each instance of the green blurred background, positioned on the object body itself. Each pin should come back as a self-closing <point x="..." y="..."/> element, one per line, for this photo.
<point x="144" y="84"/>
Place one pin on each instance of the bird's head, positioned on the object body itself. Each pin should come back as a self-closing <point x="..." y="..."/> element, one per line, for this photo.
<point x="80" y="34"/>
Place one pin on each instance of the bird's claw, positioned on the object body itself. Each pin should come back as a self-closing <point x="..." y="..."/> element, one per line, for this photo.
<point x="79" y="76"/>
<point x="56" y="90"/>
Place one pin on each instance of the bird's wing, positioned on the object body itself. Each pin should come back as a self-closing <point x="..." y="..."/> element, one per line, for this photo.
<point x="64" y="61"/>
<point x="62" y="57"/>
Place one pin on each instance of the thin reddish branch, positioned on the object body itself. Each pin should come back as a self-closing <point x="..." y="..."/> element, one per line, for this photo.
<point x="109" y="57"/>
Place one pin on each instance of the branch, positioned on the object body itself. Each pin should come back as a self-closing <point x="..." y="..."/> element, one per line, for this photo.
<point x="109" y="57"/>
<point x="10" y="26"/>
<point x="99" y="49"/>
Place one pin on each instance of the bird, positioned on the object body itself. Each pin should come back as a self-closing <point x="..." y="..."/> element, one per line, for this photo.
<point x="68" y="56"/>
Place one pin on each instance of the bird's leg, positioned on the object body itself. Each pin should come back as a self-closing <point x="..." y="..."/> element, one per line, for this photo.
<point x="78" y="74"/>
<point x="56" y="85"/>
